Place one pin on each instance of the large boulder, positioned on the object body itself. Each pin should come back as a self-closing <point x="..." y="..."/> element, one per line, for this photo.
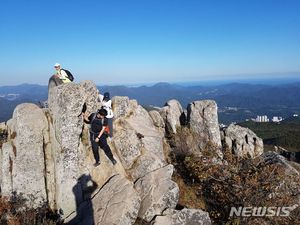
<point x="127" y="143"/>
<point x="145" y="164"/>
<point x="92" y="94"/>
<point x="116" y="203"/>
<point x="120" y="105"/>
<point x="291" y="168"/>
<point x="157" y="120"/>
<point x="183" y="217"/>
<point x="288" y="184"/>
<point x="157" y="192"/>
<point x="65" y="103"/>
<point x="23" y="165"/>
<point x="202" y="117"/>
<point x="138" y="142"/>
<point x="242" y="141"/>
<point x="172" y="114"/>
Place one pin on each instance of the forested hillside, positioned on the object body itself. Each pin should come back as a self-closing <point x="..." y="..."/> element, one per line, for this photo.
<point x="285" y="134"/>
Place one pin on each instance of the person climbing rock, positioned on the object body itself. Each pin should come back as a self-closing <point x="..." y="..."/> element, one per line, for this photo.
<point x="98" y="136"/>
<point x="106" y="104"/>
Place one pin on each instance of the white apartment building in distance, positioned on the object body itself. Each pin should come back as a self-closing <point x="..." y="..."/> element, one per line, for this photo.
<point x="261" y="119"/>
<point x="277" y="119"/>
<point x="264" y="119"/>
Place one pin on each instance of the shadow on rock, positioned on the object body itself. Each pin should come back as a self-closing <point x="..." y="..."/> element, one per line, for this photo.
<point x="84" y="206"/>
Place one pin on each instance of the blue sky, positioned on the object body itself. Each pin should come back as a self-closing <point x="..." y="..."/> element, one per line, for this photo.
<point x="146" y="41"/>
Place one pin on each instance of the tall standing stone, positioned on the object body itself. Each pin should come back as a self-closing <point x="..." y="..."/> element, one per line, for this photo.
<point x="24" y="163"/>
<point x="172" y="114"/>
<point x="202" y="118"/>
<point x="65" y="103"/>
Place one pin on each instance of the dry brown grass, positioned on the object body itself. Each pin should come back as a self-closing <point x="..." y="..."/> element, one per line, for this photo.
<point x="188" y="196"/>
<point x="216" y="187"/>
<point x="247" y="182"/>
<point x="14" y="212"/>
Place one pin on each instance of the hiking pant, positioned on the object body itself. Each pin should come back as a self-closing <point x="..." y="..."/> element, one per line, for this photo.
<point x="103" y="144"/>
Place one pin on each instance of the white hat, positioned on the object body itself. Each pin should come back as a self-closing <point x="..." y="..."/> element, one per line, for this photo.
<point x="56" y="64"/>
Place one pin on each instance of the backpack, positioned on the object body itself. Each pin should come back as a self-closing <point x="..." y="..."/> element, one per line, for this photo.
<point x="70" y="76"/>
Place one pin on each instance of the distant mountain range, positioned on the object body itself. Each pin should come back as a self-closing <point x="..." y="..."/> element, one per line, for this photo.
<point x="236" y="101"/>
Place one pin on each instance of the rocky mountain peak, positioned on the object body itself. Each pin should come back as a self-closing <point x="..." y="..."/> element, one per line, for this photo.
<point x="47" y="157"/>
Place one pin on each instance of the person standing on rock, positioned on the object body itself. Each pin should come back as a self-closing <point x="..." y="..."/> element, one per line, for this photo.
<point x="98" y="136"/>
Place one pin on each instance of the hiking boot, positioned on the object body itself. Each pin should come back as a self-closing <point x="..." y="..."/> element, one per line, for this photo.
<point x="114" y="162"/>
<point x="96" y="164"/>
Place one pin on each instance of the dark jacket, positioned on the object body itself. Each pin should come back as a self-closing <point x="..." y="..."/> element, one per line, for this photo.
<point x="97" y="123"/>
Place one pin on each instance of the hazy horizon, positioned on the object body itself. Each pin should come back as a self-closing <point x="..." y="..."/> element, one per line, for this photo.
<point x="204" y="82"/>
